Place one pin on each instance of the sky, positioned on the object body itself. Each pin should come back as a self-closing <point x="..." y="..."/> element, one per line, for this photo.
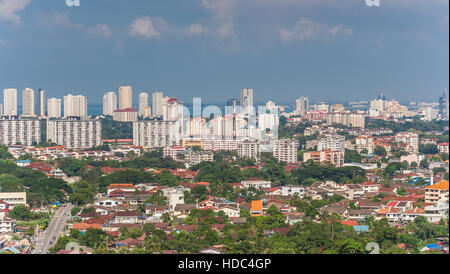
<point x="329" y="50"/>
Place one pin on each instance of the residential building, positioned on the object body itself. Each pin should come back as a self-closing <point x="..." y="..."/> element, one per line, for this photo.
<point x="256" y="183"/>
<point x="75" y="106"/>
<point x="247" y="101"/>
<point x="286" y="150"/>
<point x="437" y="192"/>
<point x="40" y="102"/>
<point x="54" y="108"/>
<point x="20" y="131"/>
<point x="125" y="97"/>
<point x="14" y="198"/>
<point x="157" y="104"/>
<point x="143" y="103"/>
<point x="10" y="102"/>
<point x="334" y="157"/>
<point x="156" y="133"/>
<point x="125" y="115"/>
<point x="75" y="133"/>
<point x="109" y="103"/>
<point x="249" y="149"/>
<point x="28" y="103"/>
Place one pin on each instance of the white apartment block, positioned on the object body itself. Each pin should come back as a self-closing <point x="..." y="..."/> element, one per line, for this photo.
<point x="125" y="115"/>
<point x="143" y="103"/>
<point x="14" y="198"/>
<point x="256" y="183"/>
<point x="248" y="149"/>
<point x="291" y="190"/>
<point x="125" y="97"/>
<point x="20" y="131"/>
<point x="156" y="133"/>
<point x="331" y="142"/>
<point x="75" y="106"/>
<point x="10" y="102"/>
<point x="54" y="108"/>
<point x="28" y="102"/>
<point x="215" y="145"/>
<point x="409" y="138"/>
<point x="157" y="103"/>
<point x="286" y="150"/>
<point x="72" y="133"/>
<point x="348" y="119"/>
<point x="109" y="103"/>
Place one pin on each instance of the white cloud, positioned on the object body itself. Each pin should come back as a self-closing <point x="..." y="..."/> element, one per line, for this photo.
<point x="9" y="8"/>
<point x="196" y="29"/>
<point x="305" y="29"/>
<point x="62" y="19"/>
<point x="144" y="26"/>
<point x="99" y="30"/>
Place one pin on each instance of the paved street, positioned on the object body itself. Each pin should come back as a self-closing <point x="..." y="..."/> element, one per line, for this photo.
<point x="48" y="238"/>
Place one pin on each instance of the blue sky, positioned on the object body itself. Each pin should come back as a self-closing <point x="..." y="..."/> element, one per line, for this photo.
<point x="329" y="50"/>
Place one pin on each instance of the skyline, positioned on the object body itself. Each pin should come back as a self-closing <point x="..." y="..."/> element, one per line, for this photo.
<point x="327" y="50"/>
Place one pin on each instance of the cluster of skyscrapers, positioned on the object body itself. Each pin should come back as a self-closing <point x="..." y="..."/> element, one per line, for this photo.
<point x="34" y="105"/>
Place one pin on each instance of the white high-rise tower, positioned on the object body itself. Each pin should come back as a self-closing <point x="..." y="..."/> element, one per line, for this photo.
<point x="40" y="103"/>
<point x="28" y="102"/>
<point x="75" y="106"/>
<point x="157" y="103"/>
<point x="109" y="103"/>
<point x="10" y="102"/>
<point x="125" y="97"/>
<point x="54" y="108"/>
<point x="143" y="103"/>
<point x="247" y="101"/>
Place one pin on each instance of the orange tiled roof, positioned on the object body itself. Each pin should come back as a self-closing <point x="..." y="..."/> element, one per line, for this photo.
<point x="442" y="185"/>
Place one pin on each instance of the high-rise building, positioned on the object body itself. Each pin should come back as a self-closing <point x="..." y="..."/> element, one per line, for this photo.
<point x="125" y="97"/>
<point x="286" y="150"/>
<point x="347" y="118"/>
<point x="249" y="149"/>
<point x="143" y="103"/>
<point x="40" y="102"/>
<point x="20" y="131"/>
<point x="247" y="101"/>
<point x="332" y="142"/>
<point x="173" y="111"/>
<point x="233" y="106"/>
<point x="301" y="106"/>
<point x="10" y="102"/>
<point x="28" y="102"/>
<point x="157" y="103"/>
<point x="443" y="106"/>
<point x="156" y="133"/>
<point x="75" y="106"/>
<point x="54" y="108"/>
<point x="109" y="103"/>
<point x="75" y="133"/>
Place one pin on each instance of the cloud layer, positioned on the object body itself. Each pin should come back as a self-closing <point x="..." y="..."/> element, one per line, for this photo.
<point x="305" y="29"/>
<point x="9" y="9"/>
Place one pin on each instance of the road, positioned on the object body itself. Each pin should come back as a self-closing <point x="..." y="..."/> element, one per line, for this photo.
<point x="48" y="238"/>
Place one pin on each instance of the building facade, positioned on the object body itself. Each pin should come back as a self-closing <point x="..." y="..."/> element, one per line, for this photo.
<point x="75" y="133"/>
<point x="156" y="133"/>
<point x="20" y="131"/>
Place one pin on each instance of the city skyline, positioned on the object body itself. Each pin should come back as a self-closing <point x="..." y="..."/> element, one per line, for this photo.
<point x="213" y="48"/>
